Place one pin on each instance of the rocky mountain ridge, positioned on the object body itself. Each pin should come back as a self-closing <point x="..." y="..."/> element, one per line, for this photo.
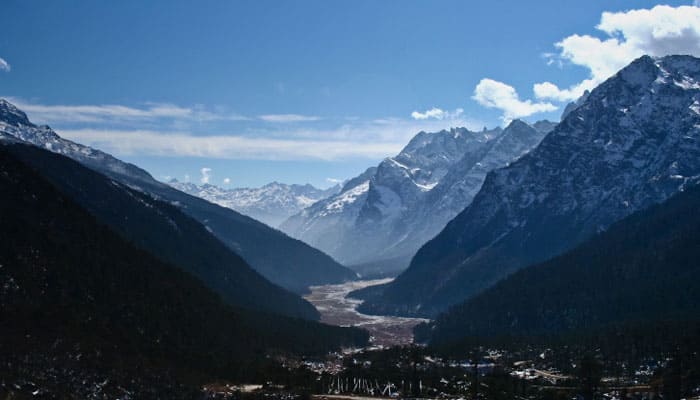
<point x="271" y="204"/>
<point x="384" y="215"/>
<point x="634" y="142"/>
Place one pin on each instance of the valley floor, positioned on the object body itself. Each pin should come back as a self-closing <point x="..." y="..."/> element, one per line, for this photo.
<point x="337" y="308"/>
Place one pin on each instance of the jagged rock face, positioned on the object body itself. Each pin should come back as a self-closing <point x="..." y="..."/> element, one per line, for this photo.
<point x="367" y="219"/>
<point x="632" y="143"/>
<point x="575" y="104"/>
<point x="389" y="211"/>
<point x="324" y="224"/>
<point x="13" y="116"/>
<point x="271" y="204"/>
<point x="293" y="265"/>
<point x="464" y="180"/>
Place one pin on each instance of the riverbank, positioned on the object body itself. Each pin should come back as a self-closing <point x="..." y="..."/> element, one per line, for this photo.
<point x="337" y="309"/>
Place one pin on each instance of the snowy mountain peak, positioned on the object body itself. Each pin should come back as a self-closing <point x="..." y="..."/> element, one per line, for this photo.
<point x="632" y="142"/>
<point x="389" y="211"/>
<point x="647" y="72"/>
<point x="272" y="203"/>
<point x="641" y="72"/>
<point x="15" y="125"/>
<point x="11" y="115"/>
<point x="517" y="123"/>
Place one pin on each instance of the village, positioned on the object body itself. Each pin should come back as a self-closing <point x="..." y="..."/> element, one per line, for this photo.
<point x="413" y="372"/>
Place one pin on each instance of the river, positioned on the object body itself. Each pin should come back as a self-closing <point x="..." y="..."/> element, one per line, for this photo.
<point x="337" y="309"/>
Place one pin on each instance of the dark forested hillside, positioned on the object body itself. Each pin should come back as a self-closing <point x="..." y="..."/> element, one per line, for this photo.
<point x="643" y="269"/>
<point x="81" y="307"/>
<point x="164" y="231"/>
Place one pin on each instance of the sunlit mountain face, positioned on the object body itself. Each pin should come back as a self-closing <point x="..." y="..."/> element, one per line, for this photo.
<point x="271" y="204"/>
<point x="627" y="146"/>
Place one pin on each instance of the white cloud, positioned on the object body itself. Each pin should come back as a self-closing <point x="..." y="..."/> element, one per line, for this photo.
<point x="42" y="113"/>
<point x="334" y="181"/>
<point x="156" y="143"/>
<point x="163" y="130"/>
<point x="432" y="113"/>
<point x="436" y="113"/>
<point x="206" y="174"/>
<point x="658" y="31"/>
<point x="227" y="181"/>
<point x="4" y="65"/>
<point x="283" y="118"/>
<point x="360" y="139"/>
<point x="495" y="94"/>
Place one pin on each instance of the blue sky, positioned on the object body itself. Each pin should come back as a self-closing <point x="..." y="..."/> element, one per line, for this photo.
<point x="309" y="91"/>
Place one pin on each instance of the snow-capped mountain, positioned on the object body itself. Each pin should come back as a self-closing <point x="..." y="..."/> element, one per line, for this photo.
<point x="271" y="204"/>
<point x="14" y="125"/>
<point x="285" y="261"/>
<point x="384" y="215"/>
<point x="465" y="178"/>
<point x="633" y="142"/>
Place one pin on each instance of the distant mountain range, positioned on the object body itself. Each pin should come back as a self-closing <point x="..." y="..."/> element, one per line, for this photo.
<point x="293" y="264"/>
<point x="271" y="204"/>
<point x="632" y="142"/>
<point x="379" y="219"/>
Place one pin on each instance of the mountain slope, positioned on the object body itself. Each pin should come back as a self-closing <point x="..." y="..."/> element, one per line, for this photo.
<point x="632" y="143"/>
<point x="643" y="268"/>
<point x="164" y="231"/>
<point x="271" y="204"/>
<point x="387" y="214"/>
<point x="294" y="265"/>
<point x="465" y="178"/>
<point x="316" y="223"/>
<point x="85" y="314"/>
<point x="366" y="221"/>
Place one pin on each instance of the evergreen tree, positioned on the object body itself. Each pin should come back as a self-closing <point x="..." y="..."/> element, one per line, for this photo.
<point x="589" y="374"/>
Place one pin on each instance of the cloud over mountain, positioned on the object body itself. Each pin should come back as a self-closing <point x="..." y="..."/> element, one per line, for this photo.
<point x="627" y="35"/>
<point x="494" y="94"/>
<point x="658" y="31"/>
<point x="437" y="113"/>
